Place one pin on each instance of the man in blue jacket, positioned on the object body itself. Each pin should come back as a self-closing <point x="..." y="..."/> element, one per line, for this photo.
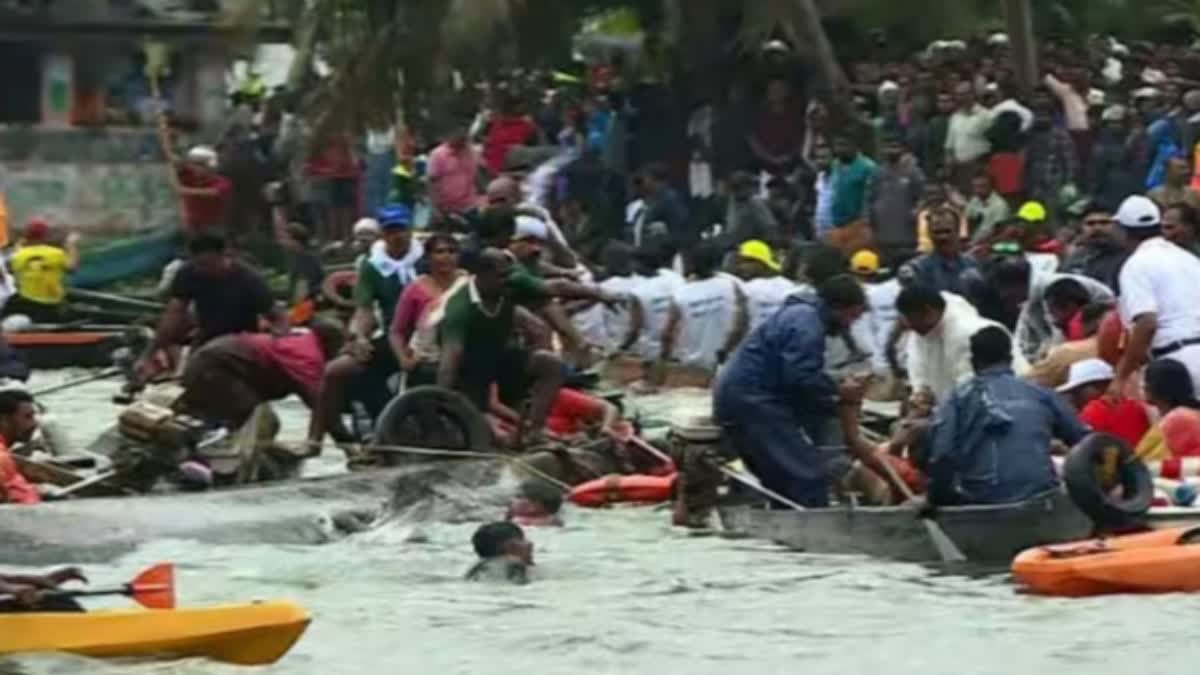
<point x="775" y="397"/>
<point x="990" y="441"/>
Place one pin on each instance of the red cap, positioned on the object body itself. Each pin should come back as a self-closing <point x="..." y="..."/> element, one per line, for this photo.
<point x="37" y="229"/>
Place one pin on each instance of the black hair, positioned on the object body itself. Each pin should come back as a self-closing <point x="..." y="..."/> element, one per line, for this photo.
<point x="823" y="262"/>
<point x="989" y="347"/>
<point x="206" y="243"/>
<point x="1067" y="291"/>
<point x="497" y="224"/>
<point x="618" y="259"/>
<point x="1010" y="271"/>
<point x="11" y="400"/>
<point x="1169" y="381"/>
<point x="842" y="291"/>
<point x="917" y="297"/>
<point x="489" y="540"/>
<point x="705" y="259"/>
<point x="440" y="239"/>
<point x="542" y="493"/>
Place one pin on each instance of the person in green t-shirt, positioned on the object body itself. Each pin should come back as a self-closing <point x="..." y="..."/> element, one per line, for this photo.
<point x="368" y="360"/>
<point x="477" y="335"/>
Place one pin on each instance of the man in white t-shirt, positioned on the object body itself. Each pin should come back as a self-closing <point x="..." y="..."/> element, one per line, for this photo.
<point x="764" y="286"/>
<point x="1157" y="301"/>
<point x="709" y="316"/>
<point x="652" y="291"/>
<point x="611" y="328"/>
<point x="881" y="315"/>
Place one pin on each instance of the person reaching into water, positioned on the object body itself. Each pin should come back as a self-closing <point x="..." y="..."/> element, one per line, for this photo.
<point x="21" y="593"/>
<point x="775" y="400"/>
<point x="505" y="555"/>
<point x="991" y="437"/>
<point x="225" y="296"/>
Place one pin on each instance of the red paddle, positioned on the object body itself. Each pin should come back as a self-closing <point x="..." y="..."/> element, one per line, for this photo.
<point x="154" y="588"/>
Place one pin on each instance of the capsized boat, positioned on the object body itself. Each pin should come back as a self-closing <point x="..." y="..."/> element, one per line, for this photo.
<point x="249" y="634"/>
<point x="1163" y="561"/>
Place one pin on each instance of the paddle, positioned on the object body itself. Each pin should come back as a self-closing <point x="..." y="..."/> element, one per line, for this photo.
<point x="945" y="546"/>
<point x="154" y="588"/>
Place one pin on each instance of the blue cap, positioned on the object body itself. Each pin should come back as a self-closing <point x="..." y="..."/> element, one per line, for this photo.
<point x="394" y="217"/>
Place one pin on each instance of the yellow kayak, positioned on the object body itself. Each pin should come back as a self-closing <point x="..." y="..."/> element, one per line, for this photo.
<point x="247" y="634"/>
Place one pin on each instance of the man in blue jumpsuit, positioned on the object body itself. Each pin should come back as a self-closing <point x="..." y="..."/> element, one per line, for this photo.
<point x="775" y="397"/>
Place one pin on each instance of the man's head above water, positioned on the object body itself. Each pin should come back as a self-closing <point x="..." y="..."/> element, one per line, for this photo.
<point x="502" y="540"/>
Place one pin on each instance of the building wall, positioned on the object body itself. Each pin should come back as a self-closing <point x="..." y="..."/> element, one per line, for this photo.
<point x="100" y="183"/>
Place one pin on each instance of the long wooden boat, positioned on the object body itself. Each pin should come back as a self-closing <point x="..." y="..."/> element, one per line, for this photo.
<point x="304" y="511"/>
<point x="125" y="259"/>
<point x="75" y="345"/>
<point x="984" y="534"/>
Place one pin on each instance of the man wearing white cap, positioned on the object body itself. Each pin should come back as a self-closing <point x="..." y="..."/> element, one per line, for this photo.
<point x="205" y="193"/>
<point x="1157" y="300"/>
<point x="1084" y="389"/>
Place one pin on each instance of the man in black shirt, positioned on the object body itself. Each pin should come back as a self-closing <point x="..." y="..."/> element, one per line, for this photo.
<point x="226" y="297"/>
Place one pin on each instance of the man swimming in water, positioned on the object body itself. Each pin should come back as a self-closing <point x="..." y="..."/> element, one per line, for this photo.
<point x="536" y="504"/>
<point x="504" y="554"/>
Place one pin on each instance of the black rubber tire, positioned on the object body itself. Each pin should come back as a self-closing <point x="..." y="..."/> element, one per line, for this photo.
<point x="1081" y="475"/>
<point x="407" y="420"/>
<point x="331" y="288"/>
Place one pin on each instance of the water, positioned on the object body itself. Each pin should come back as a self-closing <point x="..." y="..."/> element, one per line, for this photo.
<point x="620" y="591"/>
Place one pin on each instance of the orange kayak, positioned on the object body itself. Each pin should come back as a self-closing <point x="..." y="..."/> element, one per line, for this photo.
<point x="1163" y="561"/>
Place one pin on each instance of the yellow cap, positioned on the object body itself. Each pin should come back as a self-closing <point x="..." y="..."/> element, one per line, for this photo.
<point x="758" y="250"/>
<point x="1032" y="212"/>
<point x="864" y="262"/>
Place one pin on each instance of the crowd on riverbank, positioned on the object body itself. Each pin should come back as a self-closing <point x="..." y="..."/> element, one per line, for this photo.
<point x="1012" y="267"/>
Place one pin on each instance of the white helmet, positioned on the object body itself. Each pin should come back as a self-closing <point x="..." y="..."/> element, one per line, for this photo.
<point x="1138" y="212"/>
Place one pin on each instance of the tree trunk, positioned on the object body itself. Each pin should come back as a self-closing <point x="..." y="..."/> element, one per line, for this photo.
<point x="305" y="44"/>
<point x="834" y="85"/>
<point x="1024" y="49"/>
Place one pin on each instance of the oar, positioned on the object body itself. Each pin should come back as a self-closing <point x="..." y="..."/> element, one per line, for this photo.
<point x="945" y="546"/>
<point x="154" y="588"/>
<point x="104" y="375"/>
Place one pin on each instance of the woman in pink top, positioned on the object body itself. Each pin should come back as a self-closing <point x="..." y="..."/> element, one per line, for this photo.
<point x="417" y="353"/>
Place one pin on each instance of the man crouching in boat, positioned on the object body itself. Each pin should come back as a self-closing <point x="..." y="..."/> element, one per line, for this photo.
<point x="775" y="396"/>
<point x="226" y="380"/>
<point x="990" y="442"/>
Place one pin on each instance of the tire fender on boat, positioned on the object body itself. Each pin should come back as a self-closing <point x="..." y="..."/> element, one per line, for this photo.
<point x="332" y="288"/>
<point x="1099" y="463"/>
<point x="405" y="420"/>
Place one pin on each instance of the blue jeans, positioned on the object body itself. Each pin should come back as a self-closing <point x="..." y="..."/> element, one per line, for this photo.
<point x="379" y="179"/>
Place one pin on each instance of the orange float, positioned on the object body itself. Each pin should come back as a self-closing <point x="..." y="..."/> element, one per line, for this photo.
<point x="1163" y="561"/>
<point x="1111" y="338"/>
<point x="624" y="490"/>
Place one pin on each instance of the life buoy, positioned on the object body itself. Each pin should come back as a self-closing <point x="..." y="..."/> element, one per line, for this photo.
<point x="338" y="288"/>
<point x="1097" y="465"/>
<point x="624" y="489"/>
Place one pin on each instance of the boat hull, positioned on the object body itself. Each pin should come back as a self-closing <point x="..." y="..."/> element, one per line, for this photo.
<point x="245" y="634"/>
<point x="984" y="534"/>
<point x="298" y="512"/>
